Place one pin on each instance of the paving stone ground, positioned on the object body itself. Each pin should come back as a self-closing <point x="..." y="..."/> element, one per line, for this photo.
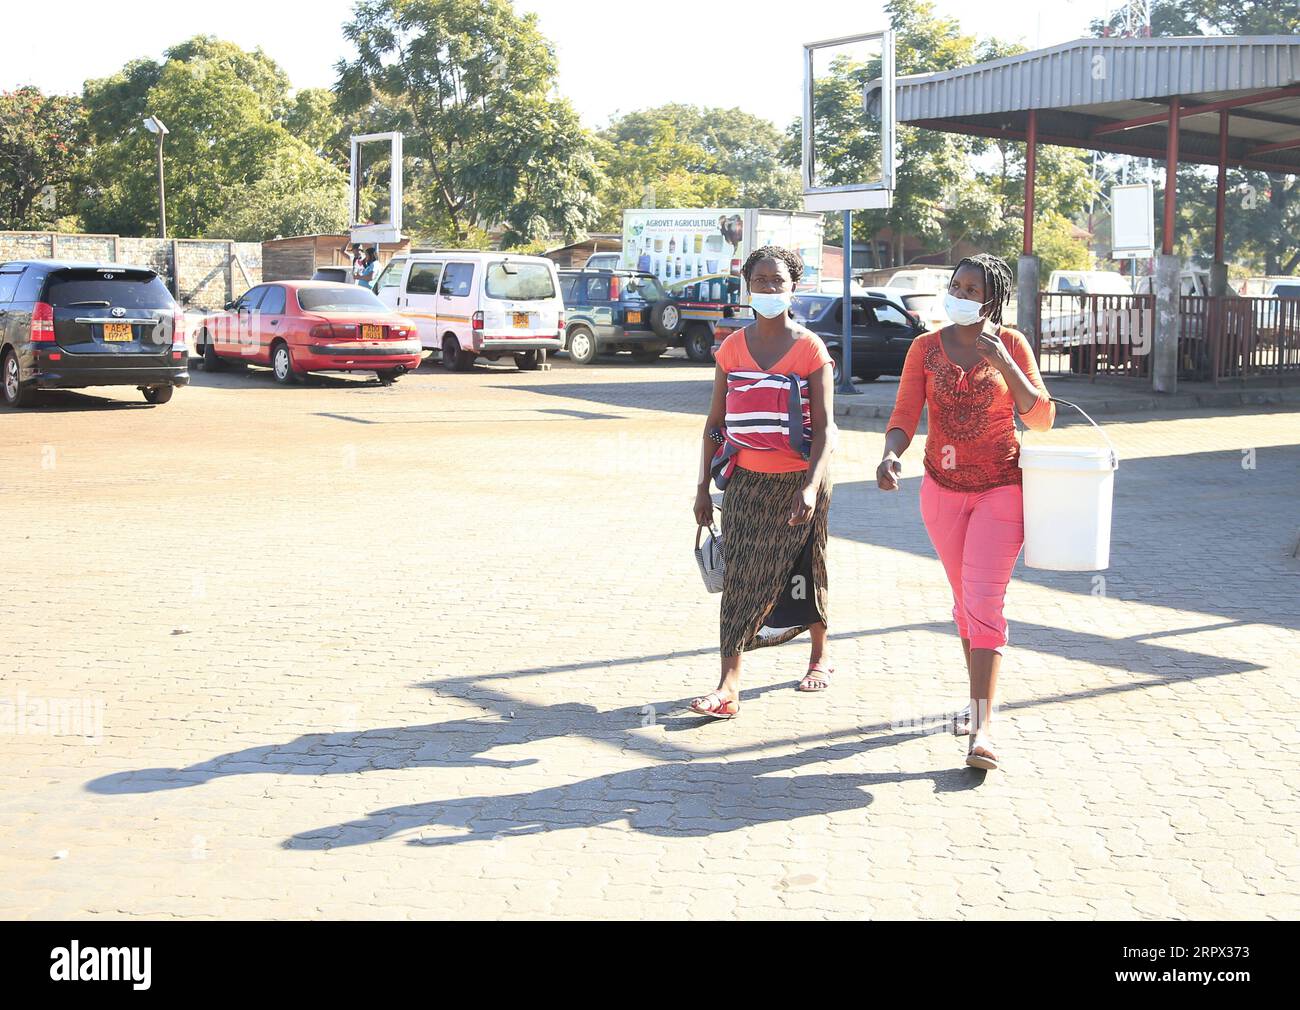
<point x="425" y="651"/>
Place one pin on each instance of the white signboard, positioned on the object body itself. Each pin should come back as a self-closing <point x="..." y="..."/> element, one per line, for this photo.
<point x="1132" y="221"/>
<point x="677" y="245"/>
<point x="861" y="64"/>
<point x="375" y="188"/>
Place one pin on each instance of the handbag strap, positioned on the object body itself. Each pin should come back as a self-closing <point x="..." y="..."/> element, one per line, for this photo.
<point x="699" y="532"/>
<point x="797" y="440"/>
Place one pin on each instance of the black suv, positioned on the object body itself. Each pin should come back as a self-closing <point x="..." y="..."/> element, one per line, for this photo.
<point x="73" y="325"/>
<point x="617" y="310"/>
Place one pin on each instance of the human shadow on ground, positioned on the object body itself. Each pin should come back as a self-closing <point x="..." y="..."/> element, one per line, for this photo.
<point x="679" y="799"/>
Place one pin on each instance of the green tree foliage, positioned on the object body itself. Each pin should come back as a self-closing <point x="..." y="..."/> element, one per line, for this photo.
<point x="943" y="191"/>
<point x="1214" y="17"/>
<point x="1056" y="245"/>
<point x="472" y="85"/>
<point x="316" y="120"/>
<point x="303" y="196"/>
<point x="1262" y="226"/>
<point x="688" y="156"/>
<point x="42" y="144"/>
<point x="227" y="111"/>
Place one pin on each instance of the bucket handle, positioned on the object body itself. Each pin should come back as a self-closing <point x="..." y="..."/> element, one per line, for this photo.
<point x="1114" y="457"/>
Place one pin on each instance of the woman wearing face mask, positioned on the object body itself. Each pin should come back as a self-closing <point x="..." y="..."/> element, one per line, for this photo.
<point x="777" y="499"/>
<point x="973" y="376"/>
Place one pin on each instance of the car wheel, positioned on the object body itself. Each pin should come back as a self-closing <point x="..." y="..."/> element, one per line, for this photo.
<point x="386" y="378"/>
<point x="648" y="354"/>
<point x="15" y="393"/>
<point x="159" y="394"/>
<point x="699" y="344"/>
<point x="282" y="364"/>
<point x="453" y="358"/>
<point x="528" y="361"/>
<point x="582" y="346"/>
<point x="666" y="319"/>
<point x="211" y="362"/>
<point x="867" y="376"/>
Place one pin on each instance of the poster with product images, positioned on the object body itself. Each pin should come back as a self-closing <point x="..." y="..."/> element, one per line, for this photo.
<point x="682" y="245"/>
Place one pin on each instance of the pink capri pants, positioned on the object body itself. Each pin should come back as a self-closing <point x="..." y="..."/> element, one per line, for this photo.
<point x="978" y="537"/>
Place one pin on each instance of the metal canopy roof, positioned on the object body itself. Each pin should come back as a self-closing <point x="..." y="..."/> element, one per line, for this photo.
<point x="1082" y="89"/>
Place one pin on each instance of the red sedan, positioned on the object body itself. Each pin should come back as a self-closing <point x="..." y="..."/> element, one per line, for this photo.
<point x="297" y="327"/>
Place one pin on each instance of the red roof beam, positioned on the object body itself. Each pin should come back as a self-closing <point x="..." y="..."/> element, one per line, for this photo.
<point x="1285" y="145"/>
<point x="1160" y="118"/>
<point x="1184" y="155"/>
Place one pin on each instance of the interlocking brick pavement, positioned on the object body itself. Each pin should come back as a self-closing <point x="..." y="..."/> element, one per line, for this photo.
<point x="425" y="651"/>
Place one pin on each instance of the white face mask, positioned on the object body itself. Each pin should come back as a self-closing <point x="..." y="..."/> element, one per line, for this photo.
<point x="771" y="306"/>
<point x="962" y="311"/>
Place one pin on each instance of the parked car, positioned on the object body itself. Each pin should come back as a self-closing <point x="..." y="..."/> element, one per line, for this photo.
<point x="75" y="325"/>
<point x="468" y="304"/>
<point x="930" y="280"/>
<point x="703" y="302"/>
<point x="299" y="327"/>
<point x="882" y="331"/>
<point x="926" y="307"/>
<point x="339" y="275"/>
<point x="1071" y="319"/>
<point x="617" y="310"/>
<point x="604" y="261"/>
<point x="1271" y="287"/>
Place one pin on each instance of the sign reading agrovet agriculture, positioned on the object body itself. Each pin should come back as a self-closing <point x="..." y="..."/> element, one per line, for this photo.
<point x="682" y="245"/>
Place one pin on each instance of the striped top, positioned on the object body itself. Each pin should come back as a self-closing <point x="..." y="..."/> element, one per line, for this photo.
<point x="757" y="401"/>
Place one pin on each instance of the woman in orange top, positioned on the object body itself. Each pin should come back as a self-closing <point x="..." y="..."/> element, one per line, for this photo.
<point x="776" y="504"/>
<point x="973" y="376"/>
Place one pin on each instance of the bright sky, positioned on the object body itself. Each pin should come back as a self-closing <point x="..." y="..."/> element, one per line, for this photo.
<point x="612" y="56"/>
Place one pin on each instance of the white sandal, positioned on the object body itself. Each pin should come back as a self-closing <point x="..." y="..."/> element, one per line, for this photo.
<point x="989" y="761"/>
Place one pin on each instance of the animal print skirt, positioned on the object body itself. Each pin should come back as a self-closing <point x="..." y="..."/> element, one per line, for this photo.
<point x="774" y="582"/>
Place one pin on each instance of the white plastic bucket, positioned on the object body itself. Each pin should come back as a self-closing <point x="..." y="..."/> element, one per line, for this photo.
<point x="1068" y="497"/>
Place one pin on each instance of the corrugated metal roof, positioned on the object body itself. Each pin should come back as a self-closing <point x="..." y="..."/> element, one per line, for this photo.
<point x="1102" y="71"/>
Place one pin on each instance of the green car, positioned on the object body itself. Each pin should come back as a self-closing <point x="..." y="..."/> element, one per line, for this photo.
<point x="607" y="311"/>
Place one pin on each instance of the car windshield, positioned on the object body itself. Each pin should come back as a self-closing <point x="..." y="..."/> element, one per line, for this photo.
<point x="1287" y="291"/>
<point x="520" y="282"/>
<point x="108" y="288"/>
<point x="340" y="298"/>
<point x="805" y="307"/>
<point x="647" y="287"/>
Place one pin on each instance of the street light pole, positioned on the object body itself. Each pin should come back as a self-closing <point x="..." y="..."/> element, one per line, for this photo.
<point x="846" y="386"/>
<point x="155" y="126"/>
<point x="162" y="192"/>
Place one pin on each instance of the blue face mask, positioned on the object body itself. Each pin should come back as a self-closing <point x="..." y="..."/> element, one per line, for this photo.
<point x="769" y="306"/>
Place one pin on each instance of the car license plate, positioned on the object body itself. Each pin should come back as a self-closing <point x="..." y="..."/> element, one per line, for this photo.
<point x="521" y="320"/>
<point x="118" y="332"/>
<point x="634" y="317"/>
<point x="369" y="331"/>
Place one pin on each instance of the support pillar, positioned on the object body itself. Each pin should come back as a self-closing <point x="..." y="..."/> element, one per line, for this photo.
<point x="1029" y="271"/>
<point x="1164" y="353"/>
<point x="1219" y="269"/>
<point x="1031" y="170"/>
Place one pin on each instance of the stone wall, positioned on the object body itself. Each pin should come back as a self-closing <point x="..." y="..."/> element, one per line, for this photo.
<point x="202" y="273"/>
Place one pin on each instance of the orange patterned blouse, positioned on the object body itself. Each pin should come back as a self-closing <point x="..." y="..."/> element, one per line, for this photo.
<point x="971" y="444"/>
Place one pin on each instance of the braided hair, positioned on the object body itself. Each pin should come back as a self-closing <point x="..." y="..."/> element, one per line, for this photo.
<point x="998" y="281"/>
<point x="774" y="252"/>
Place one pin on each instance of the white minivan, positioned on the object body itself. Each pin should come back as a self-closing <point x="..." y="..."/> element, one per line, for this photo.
<point x="468" y="304"/>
